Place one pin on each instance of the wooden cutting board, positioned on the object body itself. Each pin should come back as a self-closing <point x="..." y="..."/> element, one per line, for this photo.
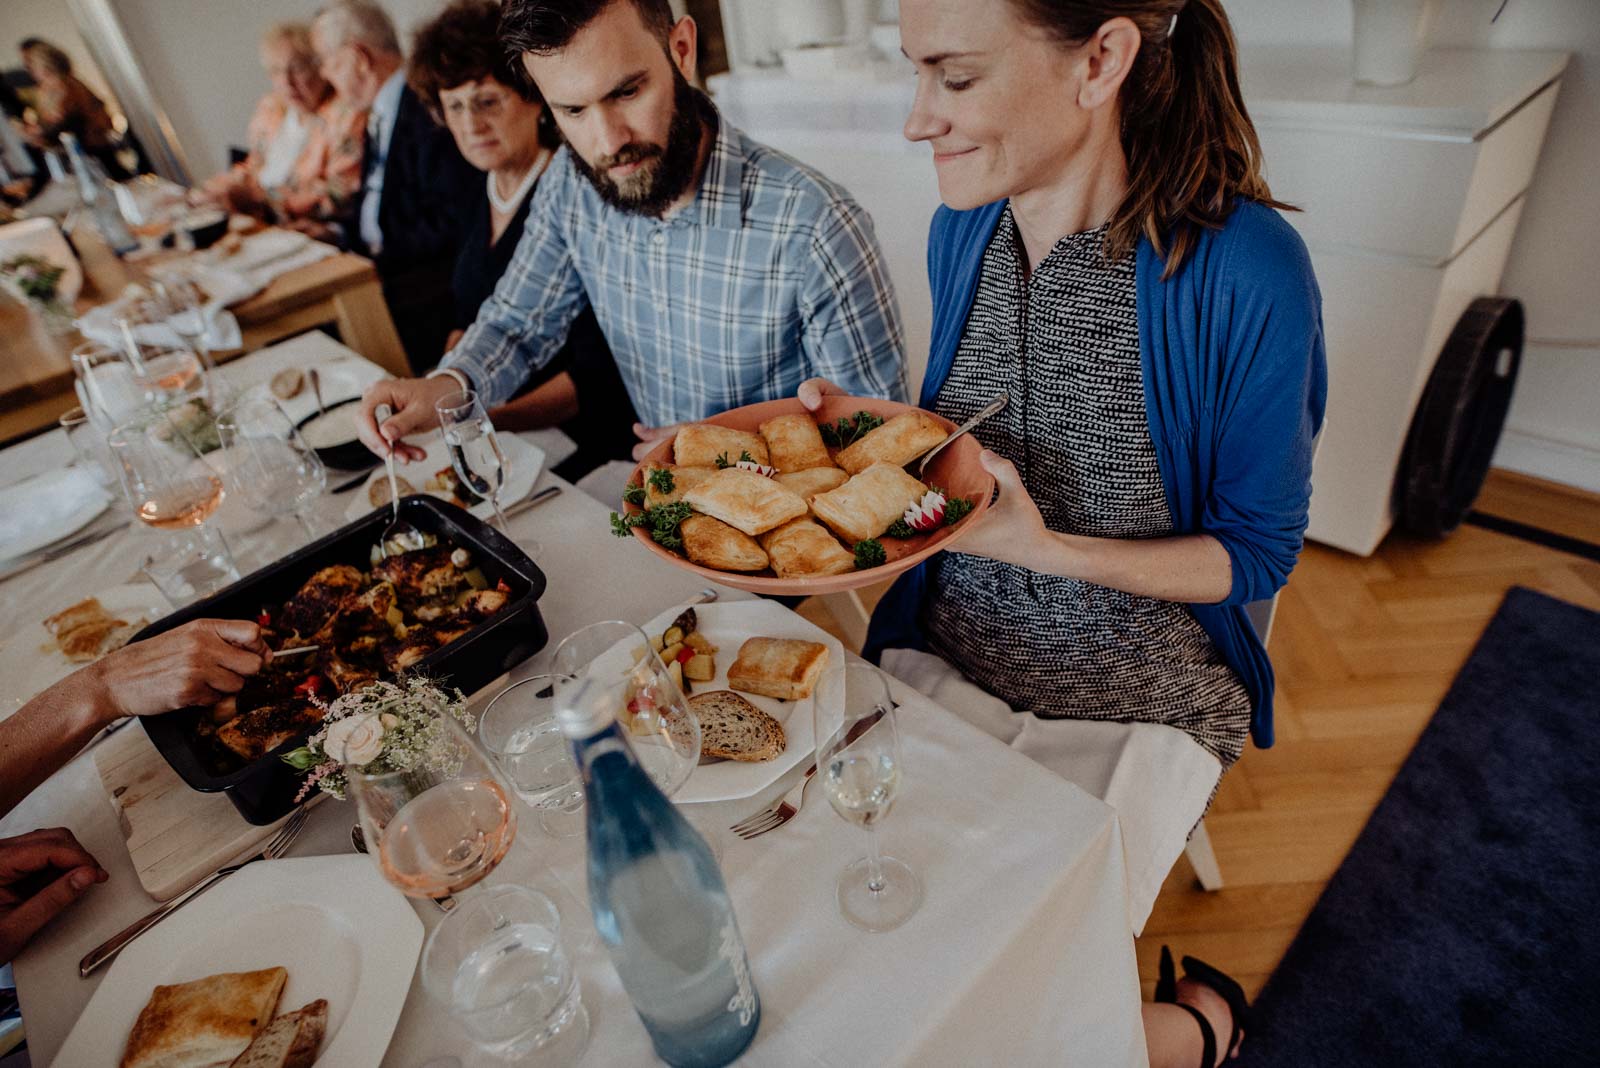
<point x="175" y="835"/>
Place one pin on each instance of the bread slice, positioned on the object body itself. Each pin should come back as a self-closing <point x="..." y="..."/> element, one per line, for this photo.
<point x="289" y="1041"/>
<point x="732" y="728"/>
<point x="203" y="1023"/>
<point x="785" y="668"/>
<point x="87" y="612"/>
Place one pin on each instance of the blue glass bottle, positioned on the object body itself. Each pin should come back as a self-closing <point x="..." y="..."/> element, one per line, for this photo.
<point x="658" y="899"/>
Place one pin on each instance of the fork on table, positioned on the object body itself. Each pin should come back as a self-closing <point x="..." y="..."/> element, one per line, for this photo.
<point x="277" y="846"/>
<point x="779" y="812"/>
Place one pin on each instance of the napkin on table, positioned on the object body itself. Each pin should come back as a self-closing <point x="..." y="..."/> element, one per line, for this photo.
<point x="33" y="509"/>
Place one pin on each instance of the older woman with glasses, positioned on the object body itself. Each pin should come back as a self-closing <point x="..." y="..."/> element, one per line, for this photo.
<point x="304" y="161"/>
<point x="502" y="127"/>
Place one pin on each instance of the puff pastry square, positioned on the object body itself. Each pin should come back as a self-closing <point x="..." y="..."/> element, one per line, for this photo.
<point x="898" y="442"/>
<point x="745" y="500"/>
<point x="203" y="1023"/>
<point x="713" y="543"/>
<point x="865" y="506"/>
<point x="814" y="480"/>
<point x="700" y="444"/>
<point x="683" y="479"/>
<point x="801" y="548"/>
<point x="794" y="443"/>
<point x="785" y="668"/>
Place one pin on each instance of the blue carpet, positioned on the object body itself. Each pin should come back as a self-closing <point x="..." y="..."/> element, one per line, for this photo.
<point x="1462" y="928"/>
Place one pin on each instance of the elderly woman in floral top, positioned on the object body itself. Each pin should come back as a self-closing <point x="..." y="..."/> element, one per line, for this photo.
<point x="304" y="163"/>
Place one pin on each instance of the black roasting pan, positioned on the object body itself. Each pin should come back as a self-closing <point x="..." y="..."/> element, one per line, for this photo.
<point x="264" y="790"/>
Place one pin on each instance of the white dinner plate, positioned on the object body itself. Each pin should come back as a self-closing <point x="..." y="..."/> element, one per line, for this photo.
<point x="525" y="459"/>
<point x="342" y="932"/>
<point x="29" y="659"/>
<point x="727" y="626"/>
<point x="88" y="502"/>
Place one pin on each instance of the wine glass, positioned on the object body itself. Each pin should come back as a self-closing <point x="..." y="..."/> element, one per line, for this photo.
<point x="183" y="308"/>
<point x="106" y="386"/>
<point x="173" y="489"/>
<point x="662" y="728"/>
<point x="519" y="729"/>
<point x="271" y="466"/>
<point x="858" y="757"/>
<point x="474" y="448"/>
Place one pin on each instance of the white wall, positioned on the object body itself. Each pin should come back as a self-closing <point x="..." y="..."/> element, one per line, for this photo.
<point x="201" y="59"/>
<point x="1554" y="428"/>
<point x="50" y="19"/>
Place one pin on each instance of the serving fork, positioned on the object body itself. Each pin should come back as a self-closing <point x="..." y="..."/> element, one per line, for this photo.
<point x="276" y="847"/>
<point x="995" y="405"/>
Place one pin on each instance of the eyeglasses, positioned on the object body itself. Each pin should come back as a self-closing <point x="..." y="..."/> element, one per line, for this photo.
<point x="489" y="105"/>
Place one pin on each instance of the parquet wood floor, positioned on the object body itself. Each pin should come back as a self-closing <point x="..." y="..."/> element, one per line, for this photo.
<point x="1364" y="650"/>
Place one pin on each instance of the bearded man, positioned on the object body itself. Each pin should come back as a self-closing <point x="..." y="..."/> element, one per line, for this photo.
<point x="721" y="272"/>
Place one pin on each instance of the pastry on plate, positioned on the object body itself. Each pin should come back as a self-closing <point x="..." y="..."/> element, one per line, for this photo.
<point x="743" y="499"/>
<point x="700" y="444"/>
<point x="785" y="668"/>
<point x="712" y="543"/>
<point x="814" y="480"/>
<point x="898" y="442"/>
<point x="801" y="548"/>
<point x="794" y="443"/>
<point x="865" y="506"/>
<point x="203" y="1023"/>
<point x="86" y="631"/>
<point x="732" y="728"/>
<point x="683" y="479"/>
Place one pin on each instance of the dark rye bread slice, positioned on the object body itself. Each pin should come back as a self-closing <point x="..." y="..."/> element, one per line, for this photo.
<point x="289" y="1041"/>
<point x="732" y="728"/>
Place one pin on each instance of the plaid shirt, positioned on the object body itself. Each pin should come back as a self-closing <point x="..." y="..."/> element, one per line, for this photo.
<point x="772" y="275"/>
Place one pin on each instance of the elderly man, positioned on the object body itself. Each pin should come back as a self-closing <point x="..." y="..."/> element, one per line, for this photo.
<point x="721" y="272"/>
<point x="414" y="181"/>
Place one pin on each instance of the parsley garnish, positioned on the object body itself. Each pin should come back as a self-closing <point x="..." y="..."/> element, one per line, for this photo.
<point x="622" y="525"/>
<point x="661" y="479"/>
<point x="956" y="509"/>
<point x="849" y="429"/>
<point x="744" y="458"/>
<point x="664" y="522"/>
<point x="634" y="495"/>
<point x="900" y="529"/>
<point x="870" y="553"/>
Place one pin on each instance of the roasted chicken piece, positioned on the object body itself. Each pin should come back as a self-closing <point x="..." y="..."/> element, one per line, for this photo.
<point x="346" y="676"/>
<point x="481" y="604"/>
<point x="309" y="610"/>
<point x="421" y="575"/>
<point x="402" y="653"/>
<point x="254" y="734"/>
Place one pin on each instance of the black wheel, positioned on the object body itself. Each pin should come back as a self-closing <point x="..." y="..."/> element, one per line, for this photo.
<point x="1459" y="419"/>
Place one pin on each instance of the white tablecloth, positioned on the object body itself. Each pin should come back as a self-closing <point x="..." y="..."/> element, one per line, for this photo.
<point x="1019" y="955"/>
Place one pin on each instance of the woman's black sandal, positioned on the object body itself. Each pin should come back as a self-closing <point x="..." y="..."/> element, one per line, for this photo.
<point x="1224" y="985"/>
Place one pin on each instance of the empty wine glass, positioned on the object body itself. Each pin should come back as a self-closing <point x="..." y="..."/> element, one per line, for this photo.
<point x="662" y="728"/>
<point x="106" y="385"/>
<point x="183" y="308"/>
<point x="858" y="761"/>
<point x="474" y="449"/>
<point x="270" y="464"/>
<point x="519" y="729"/>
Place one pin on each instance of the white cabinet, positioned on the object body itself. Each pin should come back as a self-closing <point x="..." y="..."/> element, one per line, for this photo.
<point x="1410" y="198"/>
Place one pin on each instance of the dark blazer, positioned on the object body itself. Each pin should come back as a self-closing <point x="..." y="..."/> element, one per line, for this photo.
<point x="427" y="188"/>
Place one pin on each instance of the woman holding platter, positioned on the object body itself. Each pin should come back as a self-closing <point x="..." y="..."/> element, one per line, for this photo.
<point x="1114" y="262"/>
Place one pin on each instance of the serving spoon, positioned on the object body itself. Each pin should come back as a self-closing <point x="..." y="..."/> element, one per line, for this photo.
<point x="399" y="532"/>
<point x="994" y="406"/>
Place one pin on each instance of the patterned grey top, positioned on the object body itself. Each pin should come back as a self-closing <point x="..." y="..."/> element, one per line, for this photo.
<point x="1065" y="343"/>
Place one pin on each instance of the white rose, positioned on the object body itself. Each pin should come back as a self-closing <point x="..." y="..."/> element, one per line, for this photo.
<point x="356" y="740"/>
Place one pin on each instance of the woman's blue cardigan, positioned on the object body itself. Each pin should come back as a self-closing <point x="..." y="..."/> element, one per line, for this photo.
<point x="1235" y="382"/>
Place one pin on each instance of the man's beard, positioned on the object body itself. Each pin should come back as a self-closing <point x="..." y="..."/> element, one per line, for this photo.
<point x="667" y="170"/>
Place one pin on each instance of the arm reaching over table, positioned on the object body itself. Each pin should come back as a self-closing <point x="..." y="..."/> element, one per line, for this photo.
<point x="198" y="663"/>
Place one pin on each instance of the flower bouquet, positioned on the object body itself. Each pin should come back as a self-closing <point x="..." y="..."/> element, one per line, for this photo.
<point x="386" y="726"/>
<point x="38" y="281"/>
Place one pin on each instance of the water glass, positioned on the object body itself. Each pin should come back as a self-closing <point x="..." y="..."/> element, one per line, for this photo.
<point x="474" y="449"/>
<point x="519" y="730"/>
<point x="269" y="463"/>
<point x="859" y="765"/>
<point x="106" y="386"/>
<point x="498" y="964"/>
<point x="88" y="445"/>
<point x="186" y="565"/>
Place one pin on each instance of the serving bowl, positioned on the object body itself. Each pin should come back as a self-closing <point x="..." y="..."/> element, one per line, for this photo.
<point x="349" y="455"/>
<point x="956" y="470"/>
<point x="263" y="791"/>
